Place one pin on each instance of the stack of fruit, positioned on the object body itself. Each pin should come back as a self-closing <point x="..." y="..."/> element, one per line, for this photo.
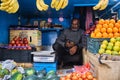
<point x="111" y="47"/>
<point x="10" y="6"/>
<point x="19" y="44"/>
<point x="106" y="29"/>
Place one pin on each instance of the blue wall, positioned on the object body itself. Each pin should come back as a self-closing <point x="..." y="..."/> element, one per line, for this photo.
<point x="48" y="37"/>
<point x="5" y="21"/>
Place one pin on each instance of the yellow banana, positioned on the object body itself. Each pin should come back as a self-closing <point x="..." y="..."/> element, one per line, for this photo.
<point x="59" y="5"/>
<point x="45" y="6"/>
<point x="104" y="4"/>
<point x="4" y="0"/>
<point x="56" y="3"/>
<point x="3" y="8"/>
<point x="98" y="5"/>
<point x="64" y="4"/>
<point x="13" y="2"/>
<point x="14" y="8"/>
<point x="53" y="3"/>
<point x="38" y="5"/>
<point x="6" y="3"/>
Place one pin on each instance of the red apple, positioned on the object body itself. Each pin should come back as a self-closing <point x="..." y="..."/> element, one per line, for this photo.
<point x="15" y="38"/>
<point x="24" y="39"/>
<point x="12" y="42"/>
<point x="29" y="48"/>
<point x="17" y="42"/>
<point x="10" y="45"/>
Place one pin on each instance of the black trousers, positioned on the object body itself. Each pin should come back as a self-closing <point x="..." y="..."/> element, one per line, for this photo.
<point x="63" y="55"/>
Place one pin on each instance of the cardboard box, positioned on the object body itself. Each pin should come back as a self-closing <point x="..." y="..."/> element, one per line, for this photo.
<point x="109" y="70"/>
<point x="33" y="36"/>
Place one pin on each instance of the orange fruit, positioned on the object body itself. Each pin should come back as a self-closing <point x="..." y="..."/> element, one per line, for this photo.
<point x="105" y="35"/>
<point x="97" y="30"/>
<point x="115" y="29"/>
<point x="110" y="35"/>
<point x="106" y="21"/>
<point x="98" y="35"/>
<point x="109" y="30"/>
<point x="110" y="25"/>
<point x="119" y="30"/>
<point x="105" y="25"/>
<point x="103" y="30"/>
<point x="92" y="35"/>
<point x="101" y="21"/>
<point x="98" y="26"/>
<point x="118" y="21"/>
<point x="116" y="34"/>
<point x="117" y="25"/>
<point x="112" y="21"/>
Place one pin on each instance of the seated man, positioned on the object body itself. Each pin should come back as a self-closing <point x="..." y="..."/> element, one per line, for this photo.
<point x="68" y="45"/>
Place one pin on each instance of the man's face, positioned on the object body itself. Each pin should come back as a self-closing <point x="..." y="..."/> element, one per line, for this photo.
<point x="75" y="25"/>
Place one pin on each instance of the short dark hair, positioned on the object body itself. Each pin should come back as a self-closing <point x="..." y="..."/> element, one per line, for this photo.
<point x="76" y="19"/>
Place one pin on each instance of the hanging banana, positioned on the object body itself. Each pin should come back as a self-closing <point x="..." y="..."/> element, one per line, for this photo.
<point x="98" y="5"/>
<point x="104" y="4"/>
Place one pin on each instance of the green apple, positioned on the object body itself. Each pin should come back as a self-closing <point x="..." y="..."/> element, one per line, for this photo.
<point x="115" y="53"/>
<point x="101" y="51"/>
<point x="108" y="52"/>
<point x="113" y="40"/>
<point x="118" y="38"/>
<point x="103" y="46"/>
<point x="109" y="47"/>
<point x="116" y="48"/>
<point x="110" y="44"/>
<point x="105" y="42"/>
<point x="117" y="43"/>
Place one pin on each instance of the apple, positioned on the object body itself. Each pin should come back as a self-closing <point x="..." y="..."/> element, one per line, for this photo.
<point x="29" y="48"/>
<point x="101" y="51"/>
<point x="103" y="46"/>
<point x="116" y="48"/>
<point x="118" y="38"/>
<point x="109" y="47"/>
<point x="117" y="43"/>
<point x="87" y="31"/>
<point x="113" y="40"/>
<point x="21" y="42"/>
<point x="110" y="44"/>
<point x="105" y="42"/>
<point x="115" y="52"/>
<point x="25" y="42"/>
<point x="15" y="38"/>
<point x="12" y="42"/>
<point x="10" y="45"/>
<point x="24" y="39"/>
<point x="17" y="42"/>
<point x="108" y="52"/>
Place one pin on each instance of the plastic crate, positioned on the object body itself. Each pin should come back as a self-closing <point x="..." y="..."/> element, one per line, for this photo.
<point x="47" y="65"/>
<point x="16" y="55"/>
<point x="93" y="44"/>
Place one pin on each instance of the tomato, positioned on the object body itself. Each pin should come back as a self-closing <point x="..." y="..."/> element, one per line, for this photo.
<point x="62" y="78"/>
<point x="89" y="76"/>
<point x="83" y="76"/>
<point x="94" y="79"/>
<point x="74" y="78"/>
<point x="80" y="79"/>
<point x="87" y="73"/>
<point x="69" y="75"/>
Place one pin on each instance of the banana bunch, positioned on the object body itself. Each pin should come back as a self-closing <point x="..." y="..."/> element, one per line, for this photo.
<point x="101" y="5"/>
<point x="10" y="6"/>
<point x="41" y="6"/>
<point x="59" y="4"/>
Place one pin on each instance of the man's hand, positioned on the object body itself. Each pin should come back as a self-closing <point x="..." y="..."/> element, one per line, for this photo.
<point x="69" y="44"/>
<point x="73" y="50"/>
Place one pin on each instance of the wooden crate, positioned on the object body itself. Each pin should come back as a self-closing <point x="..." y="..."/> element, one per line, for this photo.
<point x="34" y="35"/>
<point x="109" y="70"/>
<point x="85" y="56"/>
